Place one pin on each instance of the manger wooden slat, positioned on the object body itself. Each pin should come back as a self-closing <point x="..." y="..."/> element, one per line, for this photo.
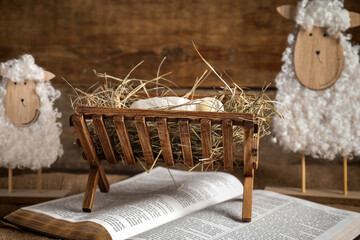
<point x="206" y="142"/>
<point x="172" y="116"/>
<point x="165" y="142"/>
<point x="255" y="151"/>
<point x="144" y="138"/>
<point x="91" y="186"/>
<point x="185" y="139"/>
<point x="104" y="138"/>
<point x="124" y="139"/>
<point x="85" y="139"/>
<point x="227" y="134"/>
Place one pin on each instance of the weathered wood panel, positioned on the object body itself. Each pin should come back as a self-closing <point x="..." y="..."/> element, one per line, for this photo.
<point x="244" y="38"/>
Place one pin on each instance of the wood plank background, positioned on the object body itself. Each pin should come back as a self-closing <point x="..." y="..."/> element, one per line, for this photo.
<point x="243" y="38"/>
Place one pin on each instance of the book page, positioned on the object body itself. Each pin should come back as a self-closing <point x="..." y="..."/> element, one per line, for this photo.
<point x="275" y="216"/>
<point x="147" y="200"/>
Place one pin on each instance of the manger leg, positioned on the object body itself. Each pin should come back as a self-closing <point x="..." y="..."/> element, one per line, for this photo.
<point x="247" y="199"/>
<point x="103" y="182"/>
<point x="248" y="172"/>
<point x="90" y="190"/>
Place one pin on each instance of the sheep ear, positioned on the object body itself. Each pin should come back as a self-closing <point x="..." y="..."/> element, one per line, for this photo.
<point x="354" y="19"/>
<point x="48" y="76"/>
<point x="288" y="12"/>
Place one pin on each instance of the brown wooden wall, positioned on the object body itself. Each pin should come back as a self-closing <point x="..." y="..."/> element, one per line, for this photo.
<point x="245" y="38"/>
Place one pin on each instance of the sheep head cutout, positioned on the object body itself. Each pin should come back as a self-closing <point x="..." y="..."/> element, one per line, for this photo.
<point x="319" y="82"/>
<point x="318" y="54"/>
<point x="22" y="103"/>
<point x="29" y="133"/>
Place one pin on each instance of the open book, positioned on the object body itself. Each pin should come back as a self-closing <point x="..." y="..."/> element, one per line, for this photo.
<point x="152" y="206"/>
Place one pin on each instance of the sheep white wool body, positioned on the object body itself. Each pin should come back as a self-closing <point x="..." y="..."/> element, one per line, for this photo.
<point x="327" y="121"/>
<point x="37" y="145"/>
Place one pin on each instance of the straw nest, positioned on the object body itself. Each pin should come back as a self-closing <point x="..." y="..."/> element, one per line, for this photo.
<point x="116" y="92"/>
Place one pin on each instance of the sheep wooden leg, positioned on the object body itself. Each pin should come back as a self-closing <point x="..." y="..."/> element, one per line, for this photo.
<point x="303" y="174"/>
<point x="10" y="180"/>
<point x="39" y="178"/>
<point x="345" y="176"/>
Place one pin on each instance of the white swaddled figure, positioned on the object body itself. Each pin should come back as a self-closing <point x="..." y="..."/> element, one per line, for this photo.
<point x="179" y="103"/>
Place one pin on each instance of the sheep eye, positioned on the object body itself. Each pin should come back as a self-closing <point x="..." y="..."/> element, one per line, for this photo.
<point x="325" y="35"/>
<point x="25" y="83"/>
<point x="310" y="34"/>
<point x="15" y="83"/>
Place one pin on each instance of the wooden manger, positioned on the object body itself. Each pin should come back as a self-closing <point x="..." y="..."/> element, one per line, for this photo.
<point x="97" y="176"/>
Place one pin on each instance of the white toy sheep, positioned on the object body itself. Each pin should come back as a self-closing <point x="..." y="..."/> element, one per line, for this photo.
<point x="319" y="83"/>
<point x="29" y="133"/>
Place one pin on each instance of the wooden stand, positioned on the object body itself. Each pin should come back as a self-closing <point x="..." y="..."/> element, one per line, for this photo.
<point x="321" y="196"/>
<point x="162" y="117"/>
<point x="29" y="196"/>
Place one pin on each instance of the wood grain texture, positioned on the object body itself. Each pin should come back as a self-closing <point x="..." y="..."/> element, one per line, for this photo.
<point x="228" y="152"/>
<point x="22" y="103"/>
<point x="288" y="11"/>
<point x="318" y="58"/>
<point x="124" y="139"/>
<point x="165" y="142"/>
<point x="91" y="185"/>
<point x="323" y="196"/>
<point x="354" y="19"/>
<point x="256" y="146"/>
<point x="144" y="139"/>
<point x="104" y="138"/>
<point x="140" y="116"/>
<point x="248" y="147"/>
<point x="247" y="198"/>
<point x="172" y="116"/>
<point x="206" y="142"/>
<point x="84" y="137"/>
<point x="103" y="183"/>
<point x="70" y="38"/>
<point x="185" y="139"/>
<point x="21" y="196"/>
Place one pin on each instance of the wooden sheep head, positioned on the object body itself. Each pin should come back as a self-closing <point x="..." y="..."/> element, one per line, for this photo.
<point x="22" y="103"/>
<point x="318" y="56"/>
